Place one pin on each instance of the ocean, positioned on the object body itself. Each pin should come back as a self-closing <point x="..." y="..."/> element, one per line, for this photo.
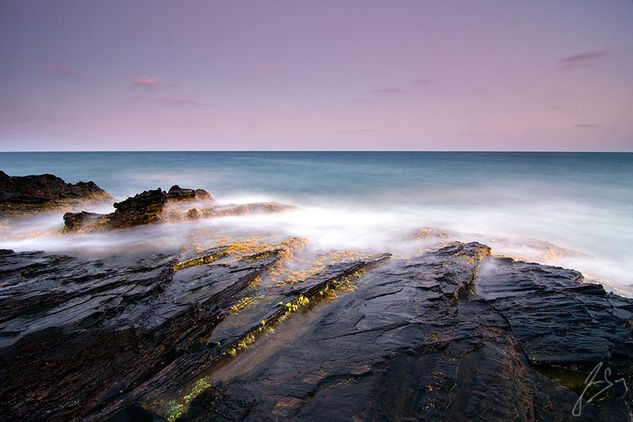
<point x="566" y="209"/>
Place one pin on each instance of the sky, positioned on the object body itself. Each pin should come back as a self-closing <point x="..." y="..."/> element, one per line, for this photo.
<point x="316" y="75"/>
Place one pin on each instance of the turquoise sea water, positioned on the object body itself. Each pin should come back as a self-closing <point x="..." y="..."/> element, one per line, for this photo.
<point x="569" y="209"/>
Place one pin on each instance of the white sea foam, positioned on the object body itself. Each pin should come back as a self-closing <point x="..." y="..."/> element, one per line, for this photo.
<point x="545" y="235"/>
<point x="571" y="210"/>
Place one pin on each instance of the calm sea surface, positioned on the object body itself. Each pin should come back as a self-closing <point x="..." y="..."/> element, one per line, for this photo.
<point x="568" y="209"/>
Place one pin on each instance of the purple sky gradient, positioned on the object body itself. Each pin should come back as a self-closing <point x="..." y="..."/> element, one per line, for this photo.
<point x="319" y="75"/>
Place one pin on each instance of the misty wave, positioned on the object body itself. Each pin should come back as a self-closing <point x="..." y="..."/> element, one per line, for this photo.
<point x="571" y="210"/>
<point x="403" y="231"/>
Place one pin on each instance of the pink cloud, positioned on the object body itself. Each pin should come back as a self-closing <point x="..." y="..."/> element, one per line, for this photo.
<point x="389" y="91"/>
<point x="583" y="59"/>
<point x="265" y="68"/>
<point x="65" y="71"/>
<point x="421" y="82"/>
<point x="149" y="82"/>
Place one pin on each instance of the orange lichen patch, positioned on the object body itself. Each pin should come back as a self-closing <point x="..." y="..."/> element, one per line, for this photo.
<point x="334" y="257"/>
<point x="245" y="302"/>
<point x="427" y="232"/>
<point x="288" y="402"/>
<point x="265" y="326"/>
<point x="287" y="249"/>
<point x="481" y="252"/>
<point x="247" y="247"/>
<point x="256" y="282"/>
<point x="549" y="251"/>
<point x="345" y="284"/>
<point x="244" y="209"/>
<point x="173" y="409"/>
<point x="203" y="260"/>
<point x="287" y="276"/>
<point x="360" y="369"/>
<point x="252" y="248"/>
<point x="314" y="378"/>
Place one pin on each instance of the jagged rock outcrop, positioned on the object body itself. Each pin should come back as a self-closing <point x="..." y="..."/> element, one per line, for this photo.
<point x="28" y="194"/>
<point x="143" y="208"/>
<point x="176" y="193"/>
<point x="453" y="334"/>
<point x="156" y="205"/>
<point x="74" y="221"/>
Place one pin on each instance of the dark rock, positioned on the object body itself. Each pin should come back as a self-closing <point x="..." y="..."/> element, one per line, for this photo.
<point x="453" y="334"/>
<point x="77" y="336"/>
<point x="136" y="413"/>
<point x="27" y="194"/>
<point x="143" y="208"/>
<point x="78" y="220"/>
<point x="157" y="205"/>
<point x="176" y="193"/>
<point x="431" y="339"/>
<point x="154" y="206"/>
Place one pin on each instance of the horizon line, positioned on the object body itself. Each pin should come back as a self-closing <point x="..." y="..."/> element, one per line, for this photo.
<point x="325" y="150"/>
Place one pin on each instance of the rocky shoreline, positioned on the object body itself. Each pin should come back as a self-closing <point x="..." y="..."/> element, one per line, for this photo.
<point x="21" y="195"/>
<point x="230" y="333"/>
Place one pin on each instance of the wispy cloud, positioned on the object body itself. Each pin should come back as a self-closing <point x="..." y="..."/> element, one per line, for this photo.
<point x="140" y="96"/>
<point x="389" y="91"/>
<point x="583" y="59"/>
<point x="65" y="71"/>
<point x="265" y="68"/>
<point x="179" y="101"/>
<point x="137" y="96"/>
<point x="421" y="82"/>
<point x="149" y="82"/>
<point x="588" y="126"/>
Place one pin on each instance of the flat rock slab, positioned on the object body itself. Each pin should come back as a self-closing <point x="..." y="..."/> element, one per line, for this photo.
<point x="453" y="334"/>
<point x="442" y="337"/>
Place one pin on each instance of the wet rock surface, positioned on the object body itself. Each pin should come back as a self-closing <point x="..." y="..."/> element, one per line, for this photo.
<point x="453" y="334"/>
<point x="176" y="193"/>
<point x="143" y="208"/>
<point x="74" y="221"/>
<point x="154" y="206"/>
<point x="28" y="194"/>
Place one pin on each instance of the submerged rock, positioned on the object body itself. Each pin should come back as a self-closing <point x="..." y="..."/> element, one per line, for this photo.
<point x="244" y="209"/>
<point x="28" y="194"/>
<point x="453" y="334"/>
<point x="84" y="220"/>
